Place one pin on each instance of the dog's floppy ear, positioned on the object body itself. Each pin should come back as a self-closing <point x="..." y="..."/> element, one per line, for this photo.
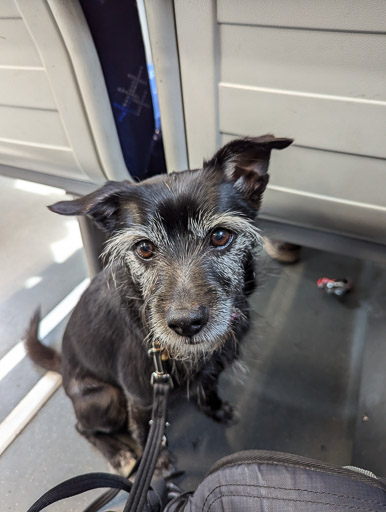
<point x="245" y="163"/>
<point x="102" y="205"/>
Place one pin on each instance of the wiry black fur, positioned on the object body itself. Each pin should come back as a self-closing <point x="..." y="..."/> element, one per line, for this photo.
<point x="104" y="363"/>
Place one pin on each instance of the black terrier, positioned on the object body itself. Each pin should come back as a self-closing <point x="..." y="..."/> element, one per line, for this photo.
<point x="179" y="271"/>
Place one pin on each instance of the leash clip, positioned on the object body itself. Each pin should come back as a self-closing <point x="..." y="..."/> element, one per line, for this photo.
<point x="159" y="377"/>
<point x="158" y="353"/>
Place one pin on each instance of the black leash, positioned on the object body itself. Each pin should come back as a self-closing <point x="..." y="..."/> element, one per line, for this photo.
<point x="78" y="485"/>
<point x="138" y="494"/>
<point x="138" y="491"/>
<point x="109" y="495"/>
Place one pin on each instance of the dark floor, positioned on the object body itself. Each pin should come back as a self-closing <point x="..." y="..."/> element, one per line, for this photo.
<point x="313" y="381"/>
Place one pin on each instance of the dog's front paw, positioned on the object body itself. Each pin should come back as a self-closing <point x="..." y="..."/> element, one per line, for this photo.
<point x="123" y="462"/>
<point x="226" y="414"/>
<point x="165" y="464"/>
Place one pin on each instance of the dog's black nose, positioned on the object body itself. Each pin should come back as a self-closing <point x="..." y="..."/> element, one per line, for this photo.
<point x="187" y="322"/>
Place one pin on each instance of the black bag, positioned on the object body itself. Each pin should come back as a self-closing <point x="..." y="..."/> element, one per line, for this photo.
<point x="260" y="481"/>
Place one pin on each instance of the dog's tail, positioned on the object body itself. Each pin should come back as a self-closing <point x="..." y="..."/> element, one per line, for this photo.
<point x="40" y="354"/>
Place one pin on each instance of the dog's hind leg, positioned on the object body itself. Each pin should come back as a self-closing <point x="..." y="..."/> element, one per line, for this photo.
<point x="101" y="411"/>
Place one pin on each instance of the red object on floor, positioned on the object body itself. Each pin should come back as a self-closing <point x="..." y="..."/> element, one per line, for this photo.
<point x="334" y="286"/>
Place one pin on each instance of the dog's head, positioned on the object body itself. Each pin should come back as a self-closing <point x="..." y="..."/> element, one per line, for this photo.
<point x="186" y="241"/>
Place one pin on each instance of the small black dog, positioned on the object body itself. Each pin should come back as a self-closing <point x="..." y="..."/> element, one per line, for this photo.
<point x="179" y="270"/>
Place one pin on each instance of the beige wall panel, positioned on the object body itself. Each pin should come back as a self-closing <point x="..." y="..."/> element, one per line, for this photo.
<point x="16" y="45"/>
<point x="8" y="9"/>
<point x="350" y="126"/>
<point x="325" y="214"/>
<point x="41" y="159"/>
<point x="32" y="126"/>
<point x="197" y="51"/>
<point x="350" y="177"/>
<point x="164" y="47"/>
<point x="337" y="63"/>
<point x="325" y="14"/>
<point x="25" y="88"/>
<point x="75" y="74"/>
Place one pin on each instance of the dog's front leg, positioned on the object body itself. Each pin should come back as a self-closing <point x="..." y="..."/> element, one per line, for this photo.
<point x="209" y="402"/>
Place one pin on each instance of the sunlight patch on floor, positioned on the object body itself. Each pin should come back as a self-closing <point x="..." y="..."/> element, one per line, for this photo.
<point x="37" y="188"/>
<point x="67" y="246"/>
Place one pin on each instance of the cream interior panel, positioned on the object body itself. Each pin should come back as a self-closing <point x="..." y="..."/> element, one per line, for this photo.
<point x="56" y="161"/>
<point x="321" y="62"/>
<point x="325" y="214"/>
<point x="352" y="126"/>
<point x="25" y="88"/>
<point x="8" y="9"/>
<point x="55" y="113"/>
<point x="32" y="126"/>
<point x="327" y="14"/>
<point x="16" y="45"/>
<point x="78" y="85"/>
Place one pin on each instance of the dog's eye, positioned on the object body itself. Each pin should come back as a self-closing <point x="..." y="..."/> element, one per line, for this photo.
<point x="145" y="249"/>
<point x="220" y="237"/>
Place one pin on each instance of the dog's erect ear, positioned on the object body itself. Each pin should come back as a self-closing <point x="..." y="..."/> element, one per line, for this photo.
<point x="245" y="163"/>
<point x="102" y="205"/>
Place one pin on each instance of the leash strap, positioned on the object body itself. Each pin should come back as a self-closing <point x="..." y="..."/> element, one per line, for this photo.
<point x="109" y="495"/>
<point x="102" y="500"/>
<point x="78" y="485"/>
<point x="138" y="494"/>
